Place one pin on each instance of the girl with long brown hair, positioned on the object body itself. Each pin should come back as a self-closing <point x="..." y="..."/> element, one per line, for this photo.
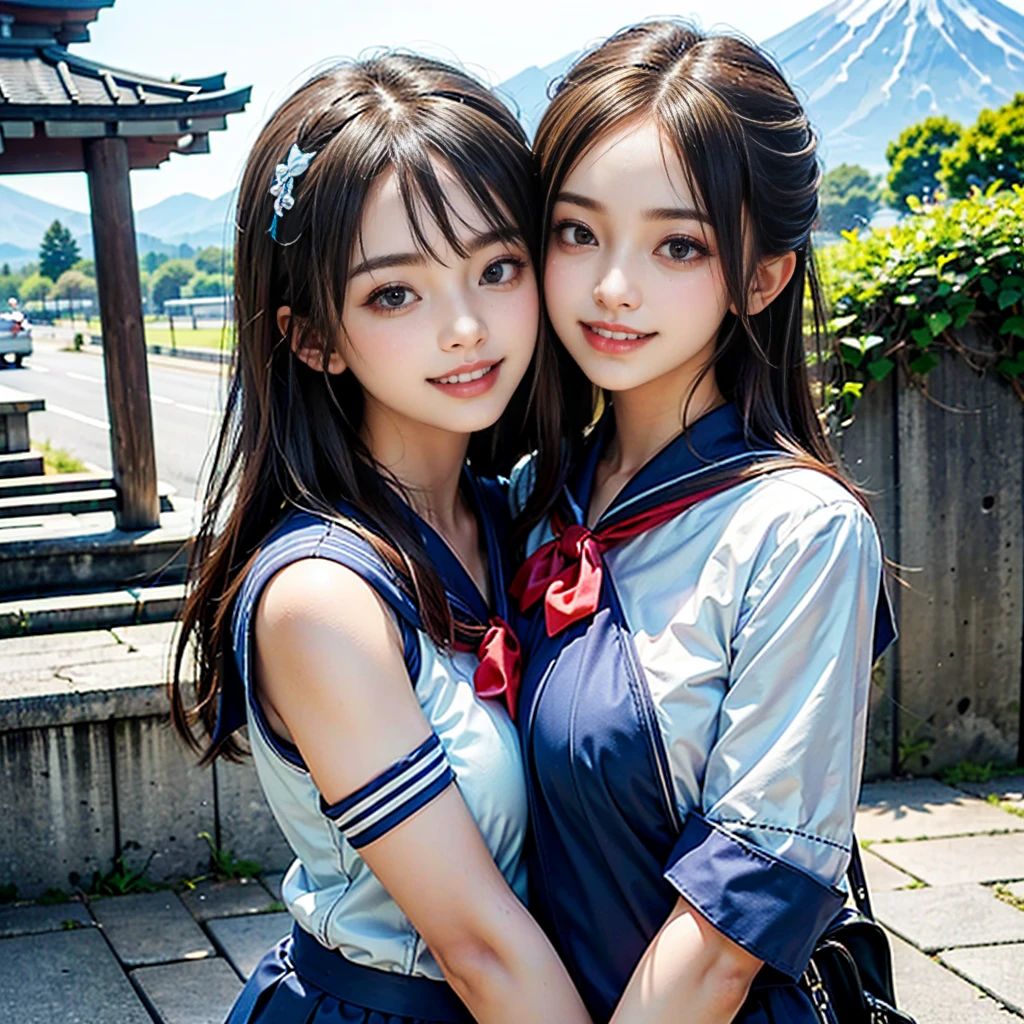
<point x="348" y="598"/>
<point x="703" y="603"/>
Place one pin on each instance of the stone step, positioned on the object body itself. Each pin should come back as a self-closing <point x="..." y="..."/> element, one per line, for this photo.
<point x="70" y="612"/>
<point x="86" y="553"/>
<point x="15" y="464"/>
<point x="53" y="483"/>
<point x="73" y="502"/>
<point x="100" y="499"/>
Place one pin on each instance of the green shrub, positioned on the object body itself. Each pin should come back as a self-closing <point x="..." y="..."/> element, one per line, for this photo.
<point x="900" y="296"/>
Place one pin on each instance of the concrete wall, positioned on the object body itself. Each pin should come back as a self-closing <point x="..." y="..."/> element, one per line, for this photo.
<point x="945" y="469"/>
<point x="92" y="769"/>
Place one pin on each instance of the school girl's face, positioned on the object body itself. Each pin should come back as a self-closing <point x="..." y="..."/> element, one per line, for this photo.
<point x="438" y="342"/>
<point x="632" y="282"/>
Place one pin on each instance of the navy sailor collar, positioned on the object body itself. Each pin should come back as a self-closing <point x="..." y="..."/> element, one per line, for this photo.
<point x="713" y="444"/>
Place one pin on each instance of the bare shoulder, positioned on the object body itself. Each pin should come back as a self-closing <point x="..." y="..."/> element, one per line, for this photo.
<point x="316" y="608"/>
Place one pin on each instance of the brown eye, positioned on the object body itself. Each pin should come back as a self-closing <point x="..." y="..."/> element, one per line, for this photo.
<point x="681" y="250"/>
<point x="575" y="234"/>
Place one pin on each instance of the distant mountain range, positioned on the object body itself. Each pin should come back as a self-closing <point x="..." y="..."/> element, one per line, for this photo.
<point x="869" y="68"/>
<point x="183" y="219"/>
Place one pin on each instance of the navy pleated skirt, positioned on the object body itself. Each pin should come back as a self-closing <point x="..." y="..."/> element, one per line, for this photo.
<point x="302" y="982"/>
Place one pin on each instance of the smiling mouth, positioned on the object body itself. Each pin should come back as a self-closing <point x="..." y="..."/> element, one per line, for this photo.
<point x="602" y="332"/>
<point x="464" y="378"/>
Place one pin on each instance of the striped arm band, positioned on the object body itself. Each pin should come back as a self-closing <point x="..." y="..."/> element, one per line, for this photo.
<point x="410" y="783"/>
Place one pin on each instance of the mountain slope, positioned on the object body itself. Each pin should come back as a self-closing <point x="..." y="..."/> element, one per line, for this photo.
<point x="184" y="218"/>
<point x="868" y="68"/>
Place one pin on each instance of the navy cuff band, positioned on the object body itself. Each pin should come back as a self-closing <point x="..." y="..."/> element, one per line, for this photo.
<point x="397" y="793"/>
<point x="772" y="909"/>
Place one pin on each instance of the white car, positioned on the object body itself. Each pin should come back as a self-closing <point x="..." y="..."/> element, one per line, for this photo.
<point x="15" y="337"/>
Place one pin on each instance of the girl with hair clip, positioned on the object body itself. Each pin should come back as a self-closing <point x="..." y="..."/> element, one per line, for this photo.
<point x="703" y="601"/>
<point x="348" y="599"/>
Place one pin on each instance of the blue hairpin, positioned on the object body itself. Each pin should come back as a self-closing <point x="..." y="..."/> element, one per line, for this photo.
<point x="284" y="181"/>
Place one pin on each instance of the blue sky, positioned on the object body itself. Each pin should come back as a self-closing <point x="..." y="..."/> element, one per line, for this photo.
<point x="273" y="44"/>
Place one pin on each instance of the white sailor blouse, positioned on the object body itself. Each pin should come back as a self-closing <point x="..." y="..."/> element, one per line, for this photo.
<point x="329" y="889"/>
<point x="693" y="706"/>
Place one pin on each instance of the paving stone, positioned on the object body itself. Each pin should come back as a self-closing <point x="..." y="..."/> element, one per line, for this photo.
<point x="164" y="801"/>
<point x="272" y="882"/>
<point x="189" y="993"/>
<point x="247" y="827"/>
<point x="65" y="977"/>
<point x="151" y="928"/>
<point x="883" y="877"/>
<point x="997" y="969"/>
<point x="933" y="995"/>
<point x="31" y="919"/>
<point x="985" y="858"/>
<point x="209" y="900"/>
<point x="951" y="915"/>
<point x="244" y="940"/>
<point x="926" y="809"/>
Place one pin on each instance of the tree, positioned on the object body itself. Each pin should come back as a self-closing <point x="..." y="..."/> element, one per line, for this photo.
<point x="152" y="260"/>
<point x="848" y="197"/>
<point x="59" y="251"/>
<point x="991" y="149"/>
<point x="87" y="267"/>
<point x="914" y="158"/>
<point x="35" y="287"/>
<point x="214" y="260"/>
<point x="204" y="286"/>
<point x="74" y="286"/>
<point x="168" y="281"/>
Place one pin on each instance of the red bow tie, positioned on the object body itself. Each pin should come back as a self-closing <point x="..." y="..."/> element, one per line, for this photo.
<point x="500" y="668"/>
<point x="567" y="571"/>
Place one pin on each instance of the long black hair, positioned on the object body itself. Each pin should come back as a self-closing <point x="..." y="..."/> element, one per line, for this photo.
<point x="290" y="434"/>
<point x="750" y="156"/>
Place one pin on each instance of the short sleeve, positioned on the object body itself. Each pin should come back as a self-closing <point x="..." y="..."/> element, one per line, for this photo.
<point x="773" y="835"/>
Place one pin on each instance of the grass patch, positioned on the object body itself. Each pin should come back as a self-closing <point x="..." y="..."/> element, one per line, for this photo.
<point x="185" y="337"/>
<point x="1008" y="897"/>
<point x="120" y="880"/>
<point x="993" y="799"/>
<point x="8" y="893"/>
<point x="58" y="460"/>
<point x="971" y="771"/>
<point x="224" y="865"/>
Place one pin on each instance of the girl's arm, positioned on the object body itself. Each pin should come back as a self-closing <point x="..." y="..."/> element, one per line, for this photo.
<point x="690" y="965"/>
<point x="330" y="667"/>
<point x="757" y="861"/>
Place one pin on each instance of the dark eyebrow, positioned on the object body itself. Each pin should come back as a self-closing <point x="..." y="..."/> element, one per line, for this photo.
<point x="658" y="213"/>
<point x="417" y="259"/>
<point x="676" y="213"/>
<point x="577" y="200"/>
<point x="391" y="259"/>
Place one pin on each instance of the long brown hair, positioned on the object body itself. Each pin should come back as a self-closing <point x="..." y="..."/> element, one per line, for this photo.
<point x="290" y="434"/>
<point x="750" y="157"/>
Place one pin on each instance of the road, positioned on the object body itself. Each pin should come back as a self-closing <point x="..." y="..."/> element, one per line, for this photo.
<point x="187" y="404"/>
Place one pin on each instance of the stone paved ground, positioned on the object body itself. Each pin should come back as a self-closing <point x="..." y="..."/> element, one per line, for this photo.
<point x="945" y="865"/>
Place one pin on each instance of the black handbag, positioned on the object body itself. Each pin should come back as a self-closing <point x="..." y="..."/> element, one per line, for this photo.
<point x="849" y="978"/>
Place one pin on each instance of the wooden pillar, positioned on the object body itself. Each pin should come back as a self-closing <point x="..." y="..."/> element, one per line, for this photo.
<point x="124" y="339"/>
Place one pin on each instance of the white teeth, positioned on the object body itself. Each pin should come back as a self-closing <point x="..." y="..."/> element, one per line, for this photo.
<point x="465" y="378"/>
<point x="616" y="335"/>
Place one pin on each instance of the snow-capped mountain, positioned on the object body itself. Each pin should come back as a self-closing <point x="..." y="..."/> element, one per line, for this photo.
<point x="869" y="68"/>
